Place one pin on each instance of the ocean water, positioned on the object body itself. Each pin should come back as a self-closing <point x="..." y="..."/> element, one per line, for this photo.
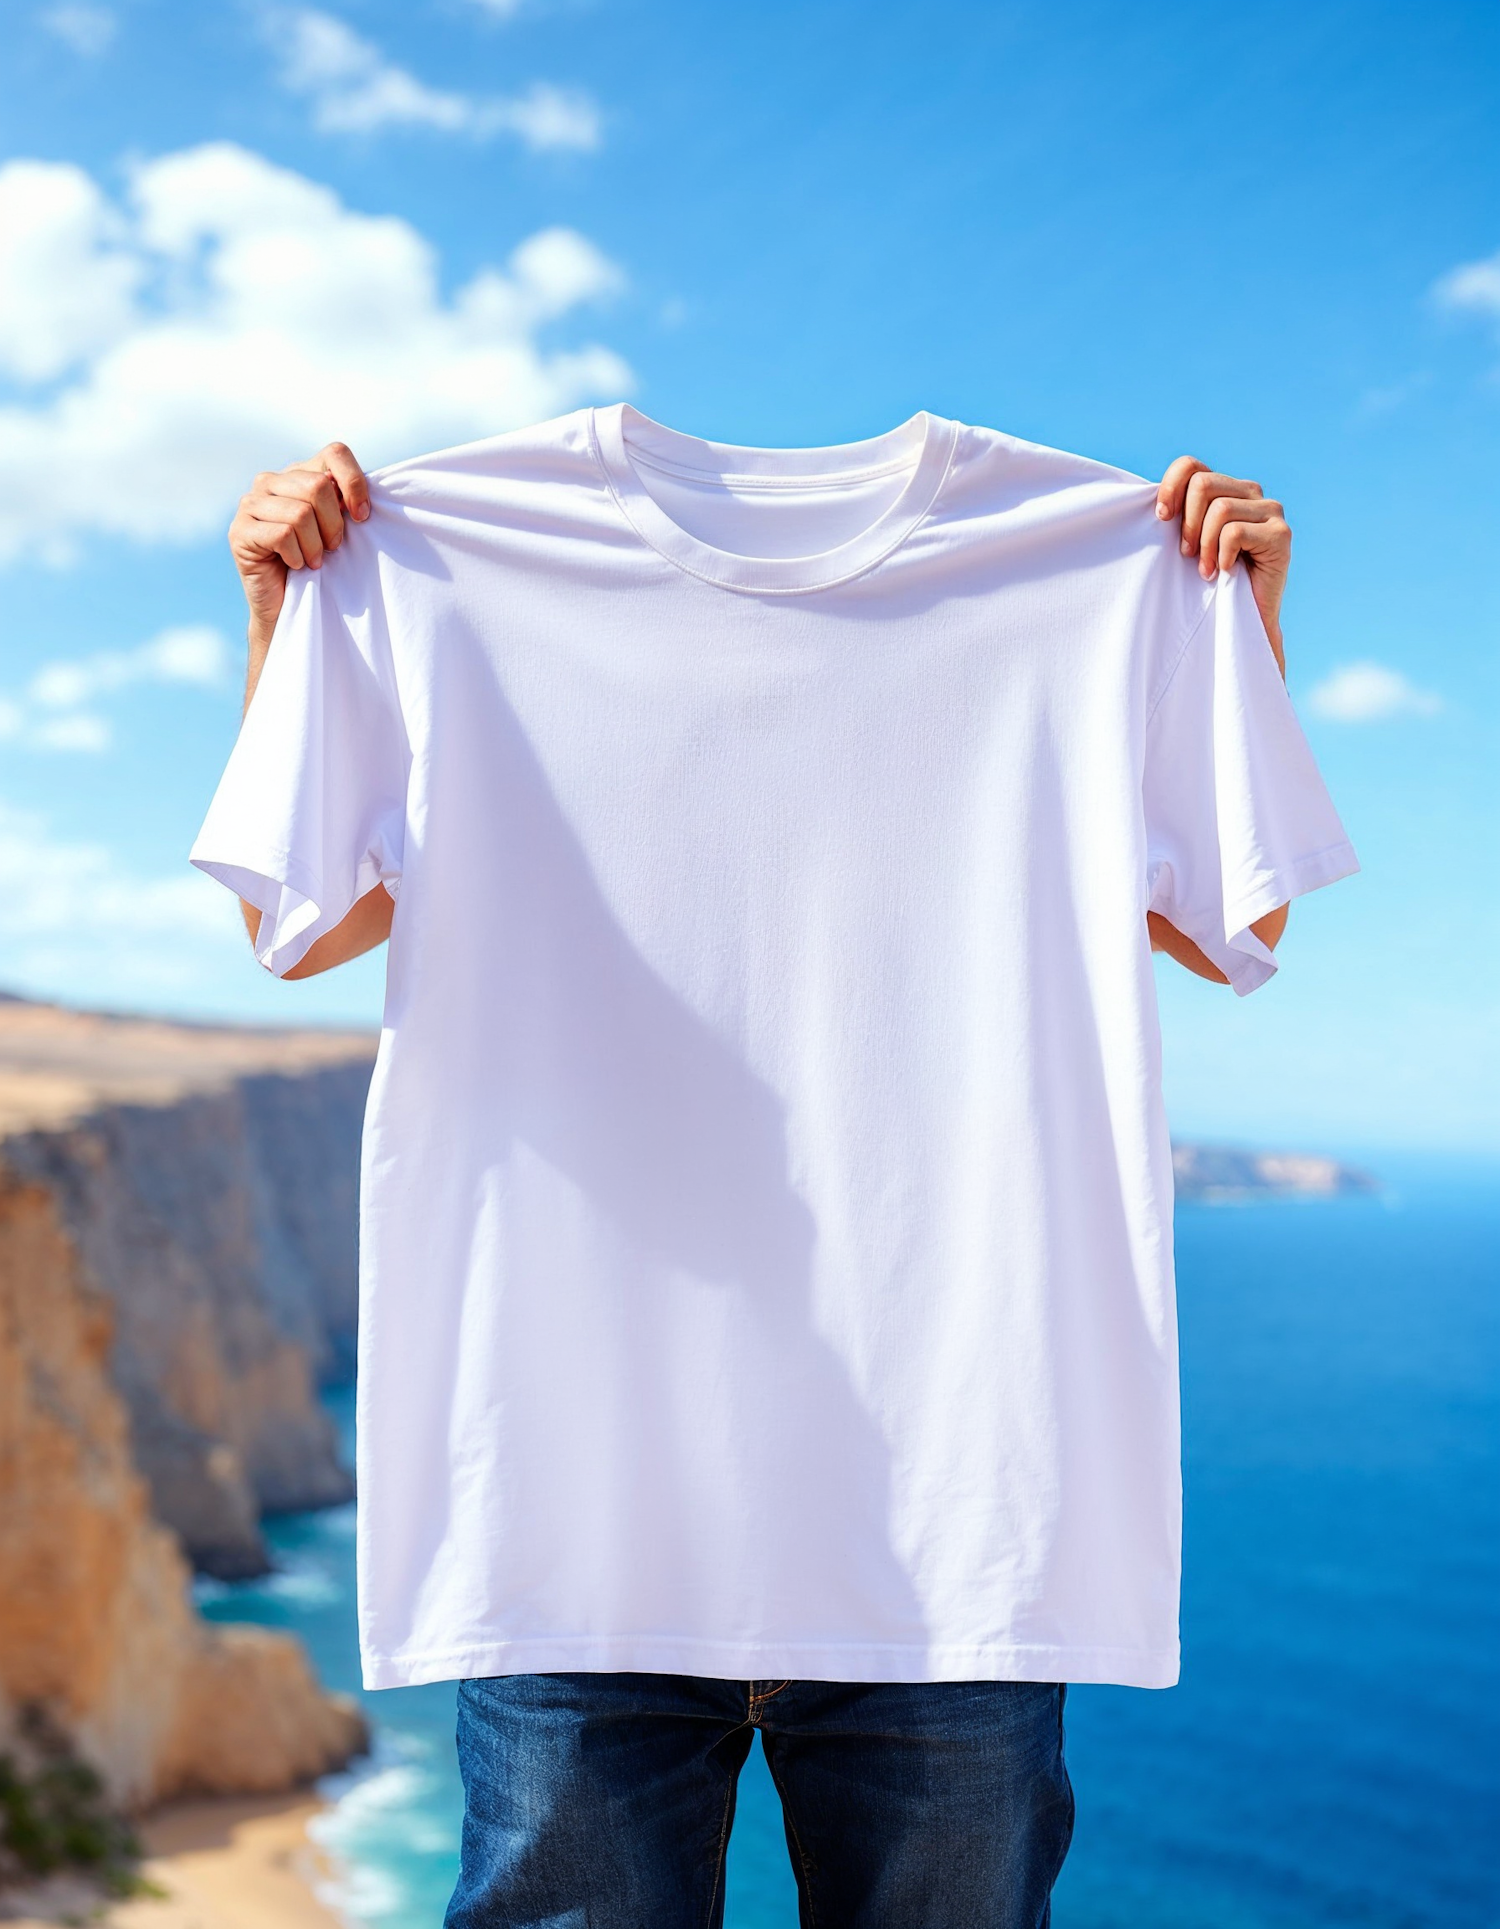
<point x="1332" y="1755"/>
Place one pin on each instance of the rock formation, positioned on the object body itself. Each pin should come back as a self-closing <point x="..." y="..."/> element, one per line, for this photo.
<point x="97" y="1628"/>
<point x="1226" y="1173"/>
<point x="207" y="1177"/>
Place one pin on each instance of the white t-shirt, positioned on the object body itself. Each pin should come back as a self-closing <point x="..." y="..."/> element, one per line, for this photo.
<point x="767" y="1207"/>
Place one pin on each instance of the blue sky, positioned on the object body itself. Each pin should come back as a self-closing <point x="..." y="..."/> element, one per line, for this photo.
<point x="1267" y="235"/>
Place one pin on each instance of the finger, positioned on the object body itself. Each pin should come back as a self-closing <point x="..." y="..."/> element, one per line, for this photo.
<point x="1173" y="486"/>
<point x="337" y="465"/>
<point x="324" y="500"/>
<point x="289" y="491"/>
<point x="1224" y="511"/>
<point x="302" y="520"/>
<point x="1203" y="486"/>
<point x="349" y="477"/>
<point x="265" y="539"/>
<point x="1262" y="539"/>
<point x="258" y="498"/>
<point x="242" y="540"/>
<point x="1231" y="512"/>
<point x="290" y="514"/>
<point x="255" y="537"/>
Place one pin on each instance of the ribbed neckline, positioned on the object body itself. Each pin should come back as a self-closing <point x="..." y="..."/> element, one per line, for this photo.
<point x="623" y="438"/>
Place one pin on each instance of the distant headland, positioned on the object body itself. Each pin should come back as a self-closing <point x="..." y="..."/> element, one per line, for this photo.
<point x="1226" y="1174"/>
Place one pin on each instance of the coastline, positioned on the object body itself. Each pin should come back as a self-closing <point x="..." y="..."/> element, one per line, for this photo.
<point x="234" y="1863"/>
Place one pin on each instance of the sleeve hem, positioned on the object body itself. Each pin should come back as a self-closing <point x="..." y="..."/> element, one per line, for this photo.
<point x="1249" y="962"/>
<point x="289" y="897"/>
<point x="1290" y="881"/>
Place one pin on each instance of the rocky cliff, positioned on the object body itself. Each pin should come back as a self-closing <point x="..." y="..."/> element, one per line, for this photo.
<point x="98" y="1634"/>
<point x="206" y="1178"/>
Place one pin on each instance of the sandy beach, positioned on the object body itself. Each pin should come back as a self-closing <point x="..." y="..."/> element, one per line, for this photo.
<point x="238" y="1864"/>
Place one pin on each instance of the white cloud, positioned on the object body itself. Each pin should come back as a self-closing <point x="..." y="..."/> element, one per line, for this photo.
<point x="68" y="905"/>
<point x="68" y="280"/>
<point x="89" y="31"/>
<point x="52" y="714"/>
<point x="1377" y="402"/>
<point x="1473" y="289"/>
<point x="70" y="730"/>
<point x="238" y="316"/>
<point x="547" y="117"/>
<point x="1474" y="286"/>
<point x="1368" y="693"/>
<point x="354" y="89"/>
<point x="77" y="731"/>
<point x="52" y="887"/>
<point x="190" y="653"/>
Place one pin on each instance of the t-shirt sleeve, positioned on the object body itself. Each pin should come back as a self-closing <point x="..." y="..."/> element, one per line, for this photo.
<point x="1238" y="820"/>
<point x="310" y="812"/>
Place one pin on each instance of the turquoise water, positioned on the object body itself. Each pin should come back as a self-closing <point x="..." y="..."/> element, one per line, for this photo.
<point x="1332" y="1756"/>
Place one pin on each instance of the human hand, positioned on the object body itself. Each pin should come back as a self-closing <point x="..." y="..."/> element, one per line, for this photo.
<point x="1224" y="519"/>
<point x="290" y="519"/>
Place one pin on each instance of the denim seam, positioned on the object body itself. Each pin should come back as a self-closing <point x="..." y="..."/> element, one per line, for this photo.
<point x="757" y="1702"/>
<point x="722" y="1852"/>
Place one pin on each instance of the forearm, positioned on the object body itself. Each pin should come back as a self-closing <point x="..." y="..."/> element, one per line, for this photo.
<point x="259" y="642"/>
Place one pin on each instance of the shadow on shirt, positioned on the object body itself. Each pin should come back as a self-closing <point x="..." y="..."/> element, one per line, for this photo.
<point x="663" y="1442"/>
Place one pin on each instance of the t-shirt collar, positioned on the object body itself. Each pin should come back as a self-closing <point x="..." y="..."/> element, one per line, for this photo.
<point x="925" y="441"/>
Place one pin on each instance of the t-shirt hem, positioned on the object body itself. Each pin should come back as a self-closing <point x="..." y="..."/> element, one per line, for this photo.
<point x="750" y="1661"/>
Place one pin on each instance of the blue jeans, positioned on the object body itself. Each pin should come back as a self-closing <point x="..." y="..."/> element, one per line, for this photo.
<point x="604" y="1801"/>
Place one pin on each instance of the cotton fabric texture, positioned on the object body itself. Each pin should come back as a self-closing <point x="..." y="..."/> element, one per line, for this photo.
<point x="766" y="1263"/>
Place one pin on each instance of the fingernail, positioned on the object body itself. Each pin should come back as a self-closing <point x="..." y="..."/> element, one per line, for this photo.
<point x="1205" y="570"/>
<point x="1163" y="511"/>
<point x="361" y="510"/>
<point x="1187" y="547"/>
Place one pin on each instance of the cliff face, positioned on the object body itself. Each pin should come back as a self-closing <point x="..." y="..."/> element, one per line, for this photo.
<point x="207" y="1179"/>
<point x="97" y="1629"/>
